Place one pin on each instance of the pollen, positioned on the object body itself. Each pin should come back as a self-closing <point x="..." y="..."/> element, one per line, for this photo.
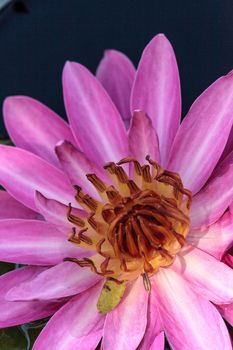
<point x="139" y="224"/>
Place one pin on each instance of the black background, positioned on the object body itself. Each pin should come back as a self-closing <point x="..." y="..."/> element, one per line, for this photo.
<point x="37" y="37"/>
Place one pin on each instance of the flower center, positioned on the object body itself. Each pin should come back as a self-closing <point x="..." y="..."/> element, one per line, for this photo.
<point x="139" y="224"/>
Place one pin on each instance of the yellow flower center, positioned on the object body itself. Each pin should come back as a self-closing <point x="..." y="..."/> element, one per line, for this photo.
<point x="139" y="225"/>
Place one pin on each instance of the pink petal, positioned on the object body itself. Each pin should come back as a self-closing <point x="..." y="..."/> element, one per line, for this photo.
<point x="158" y="343"/>
<point x="77" y="325"/>
<point x="55" y="212"/>
<point x="14" y="313"/>
<point x="125" y="325"/>
<point x="215" y="239"/>
<point x="76" y="165"/>
<point x="212" y="201"/>
<point x="227" y="312"/>
<point x="35" y="242"/>
<point x="203" y="134"/>
<point x="95" y="121"/>
<point x="10" y="208"/>
<point x="153" y="327"/>
<point x="190" y="322"/>
<point x="210" y="278"/>
<point x="156" y="91"/>
<point x="142" y="138"/>
<point x="21" y="173"/>
<point x="60" y="281"/>
<point x="228" y="259"/>
<point x="116" y="73"/>
<point x="34" y="127"/>
<point x="229" y="146"/>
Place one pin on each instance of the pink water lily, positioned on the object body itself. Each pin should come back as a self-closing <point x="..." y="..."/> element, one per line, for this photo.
<point x="126" y="195"/>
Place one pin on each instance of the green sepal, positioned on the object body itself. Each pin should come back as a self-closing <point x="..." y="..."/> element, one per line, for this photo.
<point x="110" y="296"/>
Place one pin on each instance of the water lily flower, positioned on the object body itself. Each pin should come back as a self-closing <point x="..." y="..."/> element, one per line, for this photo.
<point x="123" y="217"/>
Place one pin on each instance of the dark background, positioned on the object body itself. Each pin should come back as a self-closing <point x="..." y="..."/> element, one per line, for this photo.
<point x="37" y="37"/>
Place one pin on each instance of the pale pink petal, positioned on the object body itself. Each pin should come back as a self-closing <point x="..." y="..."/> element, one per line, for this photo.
<point x="94" y="119"/>
<point x="116" y="73"/>
<point x="34" y="127"/>
<point x="77" y="325"/>
<point x="14" y="313"/>
<point x="190" y="322"/>
<point x="22" y="173"/>
<point x="156" y="91"/>
<point x="55" y="212"/>
<point x="143" y="140"/>
<point x="60" y="281"/>
<point x="203" y="134"/>
<point x="158" y="343"/>
<point x="211" y="202"/>
<point x="153" y="327"/>
<point x="76" y="165"/>
<point x="12" y="209"/>
<point x="210" y="278"/>
<point x="125" y="326"/>
<point x="35" y="242"/>
<point x="215" y="239"/>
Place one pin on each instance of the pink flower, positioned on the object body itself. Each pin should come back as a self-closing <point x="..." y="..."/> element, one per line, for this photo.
<point x="137" y="230"/>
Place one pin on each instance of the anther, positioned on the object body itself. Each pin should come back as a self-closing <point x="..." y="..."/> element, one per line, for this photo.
<point x="74" y="219"/>
<point x="92" y="221"/>
<point x="133" y="187"/>
<point x="73" y="238"/>
<point x="112" y="194"/>
<point x="146" y="173"/>
<point x="86" y="199"/>
<point x="97" y="182"/>
<point x="80" y="237"/>
<point x="84" y="238"/>
<point x="110" y="167"/>
<point x="137" y="166"/>
<point x="121" y="175"/>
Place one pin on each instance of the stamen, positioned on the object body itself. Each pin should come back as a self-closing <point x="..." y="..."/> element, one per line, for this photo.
<point x="73" y="238"/>
<point x="84" y="238"/>
<point x="74" y="219"/>
<point x="104" y="266"/>
<point x="157" y="170"/>
<point x="123" y="266"/>
<point x="98" y="248"/>
<point x="80" y="238"/>
<point x="137" y="165"/>
<point x="133" y="187"/>
<point x="92" y="221"/>
<point x="148" y="267"/>
<point x="140" y="224"/>
<point x="97" y="182"/>
<point x="146" y="173"/>
<point x="149" y="234"/>
<point x="85" y="199"/>
<point x="146" y="282"/>
<point x="131" y="245"/>
<point x="113" y="195"/>
<point x="110" y="167"/>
